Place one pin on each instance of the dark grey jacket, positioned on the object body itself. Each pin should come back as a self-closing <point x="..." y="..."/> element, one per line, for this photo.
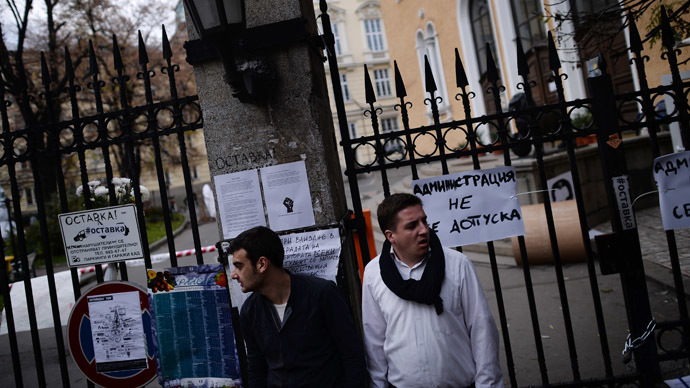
<point x="316" y="344"/>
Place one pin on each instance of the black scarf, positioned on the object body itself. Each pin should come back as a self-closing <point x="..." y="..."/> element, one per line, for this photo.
<point x="426" y="290"/>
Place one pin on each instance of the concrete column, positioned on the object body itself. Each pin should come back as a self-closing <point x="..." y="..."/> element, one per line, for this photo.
<point x="295" y="124"/>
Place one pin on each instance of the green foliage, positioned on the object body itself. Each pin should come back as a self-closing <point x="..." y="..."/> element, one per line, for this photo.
<point x="680" y="25"/>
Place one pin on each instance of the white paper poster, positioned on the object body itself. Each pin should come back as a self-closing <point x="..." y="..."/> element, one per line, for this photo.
<point x="117" y="331"/>
<point x="239" y="202"/>
<point x="471" y="207"/>
<point x="313" y="253"/>
<point x="288" y="199"/>
<point x="672" y="175"/>
<point x="561" y="187"/>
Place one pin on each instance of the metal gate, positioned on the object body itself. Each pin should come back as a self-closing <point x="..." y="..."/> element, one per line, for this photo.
<point x="114" y="124"/>
<point x="607" y="111"/>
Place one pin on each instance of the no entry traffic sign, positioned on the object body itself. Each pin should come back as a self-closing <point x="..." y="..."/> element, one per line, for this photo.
<point x="112" y="359"/>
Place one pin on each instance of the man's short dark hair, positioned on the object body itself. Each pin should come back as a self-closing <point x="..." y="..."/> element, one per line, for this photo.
<point x="260" y="241"/>
<point x="388" y="210"/>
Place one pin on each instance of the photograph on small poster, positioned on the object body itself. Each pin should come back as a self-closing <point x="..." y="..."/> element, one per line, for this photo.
<point x="192" y="324"/>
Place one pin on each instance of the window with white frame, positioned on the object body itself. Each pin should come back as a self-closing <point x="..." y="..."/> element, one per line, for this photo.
<point x="335" y="27"/>
<point x="389" y="125"/>
<point x="344" y="86"/>
<point x="353" y="130"/>
<point x="383" y="82"/>
<point x="195" y="172"/>
<point x="29" y="194"/>
<point x="374" y="34"/>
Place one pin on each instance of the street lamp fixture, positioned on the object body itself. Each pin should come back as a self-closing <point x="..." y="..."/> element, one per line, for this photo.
<point x="222" y="23"/>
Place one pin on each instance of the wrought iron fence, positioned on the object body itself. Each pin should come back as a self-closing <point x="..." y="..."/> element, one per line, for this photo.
<point x="159" y="126"/>
<point x="517" y="130"/>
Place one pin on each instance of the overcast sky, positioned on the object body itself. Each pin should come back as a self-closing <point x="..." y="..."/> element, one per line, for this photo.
<point x="37" y="17"/>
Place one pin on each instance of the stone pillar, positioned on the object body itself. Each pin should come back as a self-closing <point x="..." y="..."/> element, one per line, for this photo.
<point x="294" y="124"/>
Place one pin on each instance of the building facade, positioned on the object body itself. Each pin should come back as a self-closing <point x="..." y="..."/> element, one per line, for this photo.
<point x="416" y="28"/>
<point x="361" y="38"/>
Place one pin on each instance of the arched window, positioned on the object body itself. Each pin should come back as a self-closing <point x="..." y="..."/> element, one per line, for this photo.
<point x="482" y="32"/>
<point x="427" y="44"/>
<point x="528" y="23"/>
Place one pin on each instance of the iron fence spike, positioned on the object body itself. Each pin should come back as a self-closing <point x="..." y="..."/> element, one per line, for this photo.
<point x="667" y="38"/>
<point x="45" y="73"/>
<point x="554" y="61"/>
<point x="429" y="82"/>
<point x="93" y="63"/>
<point x="143" y="56"/>
<point x="491" y="70"/>
<point x="635" y="40"/>
<point x="368" y="88"/>
<point x="523" y="66"/>
<point x="167" y="52"/>
<point x="69" y="68"/>
<point x="400" y="91"/>
<point x="117" y="56"/>
<point x="460" y="75"/>
<point x="323" y="5"/>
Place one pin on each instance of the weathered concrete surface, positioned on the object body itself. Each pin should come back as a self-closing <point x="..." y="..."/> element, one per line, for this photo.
<point x="295" y="124"/>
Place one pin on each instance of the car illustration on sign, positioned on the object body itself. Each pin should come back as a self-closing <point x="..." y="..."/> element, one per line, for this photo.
<point x="102" y="231"/>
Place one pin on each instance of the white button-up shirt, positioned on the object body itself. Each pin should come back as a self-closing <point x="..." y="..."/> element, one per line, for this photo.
<point x="410" y="346"/>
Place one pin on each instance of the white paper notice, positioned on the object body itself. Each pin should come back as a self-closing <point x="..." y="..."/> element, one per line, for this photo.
<point x="561" y="187"/>
<point x="672" y="175"/>
<point x="239" y="202"/>
<point x="288" y="200"/>
<point x="473" y="206"/>
<point x="313" y="253"/>
<point x="118" y="332"/>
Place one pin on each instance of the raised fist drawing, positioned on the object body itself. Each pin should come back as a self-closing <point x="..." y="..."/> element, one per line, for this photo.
<point x="289" y="204"/>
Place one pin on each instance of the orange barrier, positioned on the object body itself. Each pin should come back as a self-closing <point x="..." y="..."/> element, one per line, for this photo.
<point x="370" y="242"/>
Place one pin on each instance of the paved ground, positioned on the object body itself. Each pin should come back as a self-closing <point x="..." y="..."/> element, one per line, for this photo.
<point x="507" y="281"/>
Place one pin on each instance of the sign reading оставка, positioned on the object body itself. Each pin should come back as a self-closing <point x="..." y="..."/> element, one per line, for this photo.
<point x="672" y="175"/>
<point x="471" y="207"/>
<point x="101" y="235"/>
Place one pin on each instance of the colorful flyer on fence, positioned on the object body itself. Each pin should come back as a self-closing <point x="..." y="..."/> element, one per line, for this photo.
<point x="472" y="207"/>
<point x="313" y="253"/>
<point x="672" y="175"/>
<point x="192" y="325"/>
<point x="117" y="331"/>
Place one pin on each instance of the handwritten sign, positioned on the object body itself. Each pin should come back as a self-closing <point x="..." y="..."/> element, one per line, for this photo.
<point x="471" y="207"/>
<point x="312" y="253"/>
<point x="672" y="175"/>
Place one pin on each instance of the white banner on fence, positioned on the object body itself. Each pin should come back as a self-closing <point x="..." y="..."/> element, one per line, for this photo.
<point x="314" y="253"/>
<point x="672" y="175"/>
<point x="472" y="207"/>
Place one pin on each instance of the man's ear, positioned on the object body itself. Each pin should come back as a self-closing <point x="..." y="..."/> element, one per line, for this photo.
<point x="262" y="264"/>
<point x="389" y="235"/>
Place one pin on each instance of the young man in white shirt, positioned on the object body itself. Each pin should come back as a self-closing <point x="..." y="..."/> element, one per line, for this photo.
<point x="426" y="320"/>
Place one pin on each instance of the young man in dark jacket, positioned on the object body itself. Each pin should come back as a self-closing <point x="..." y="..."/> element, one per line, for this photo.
<point x="298" y="329"/>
